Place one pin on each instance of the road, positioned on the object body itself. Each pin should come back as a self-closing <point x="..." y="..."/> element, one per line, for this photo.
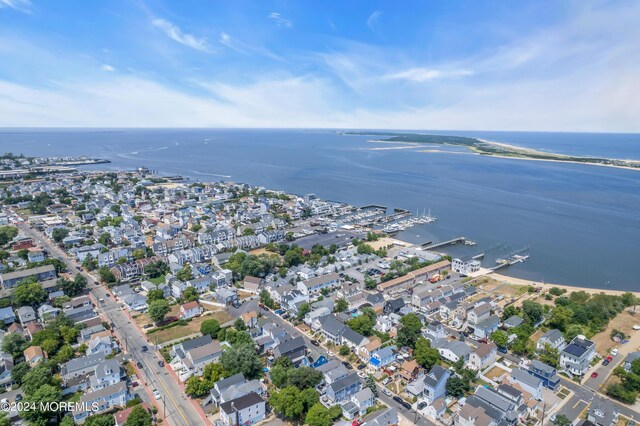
<point x="179" y="410"/>
<point x="409" y="414"/>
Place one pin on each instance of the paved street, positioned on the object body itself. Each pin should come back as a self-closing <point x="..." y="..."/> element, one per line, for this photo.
<point x="179" y="410"/>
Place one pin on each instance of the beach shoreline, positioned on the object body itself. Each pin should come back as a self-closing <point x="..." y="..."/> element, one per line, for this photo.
<point x="520" y="281"/>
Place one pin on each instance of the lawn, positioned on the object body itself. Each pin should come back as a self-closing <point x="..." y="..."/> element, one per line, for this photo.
<point x="495" y="373"/>
<point x="157" y="280"/>
<point x="191" y="327"/>
<point x="623" y="322"/>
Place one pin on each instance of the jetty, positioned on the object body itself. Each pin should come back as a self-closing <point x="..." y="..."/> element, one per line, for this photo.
<point x="465" y="240"/>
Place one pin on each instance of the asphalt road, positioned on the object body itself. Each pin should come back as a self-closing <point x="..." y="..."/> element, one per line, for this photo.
<point x="179" y="410"/>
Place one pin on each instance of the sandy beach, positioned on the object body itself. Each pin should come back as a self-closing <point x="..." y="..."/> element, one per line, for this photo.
<point x="520" y="281"/>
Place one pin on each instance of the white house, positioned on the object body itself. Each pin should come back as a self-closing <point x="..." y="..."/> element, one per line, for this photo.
<point x="245" y="410"/>
<point x="190" y="310"/>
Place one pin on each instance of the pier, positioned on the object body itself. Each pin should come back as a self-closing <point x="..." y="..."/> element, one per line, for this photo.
<point x="449" y="242"/>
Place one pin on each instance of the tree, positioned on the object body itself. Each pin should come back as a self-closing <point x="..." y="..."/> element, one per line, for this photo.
<point x="370" y="382"/>
<point x="410" y="331"/>
<point x="424" y="354"/>
<point x="319" y="415"/>
<point x="19" y="371"/>
<point x="196" y="387"/>
<point x="190" y="294"/>
<point x="572" y="331"/>
<point x="344" y="350"/>
<point x="158" y="309"/>
<point x="14" y="344"/>
<point x="500" y="338"/>
<point x="532" y="311"/>
<point x="7" y="233"/>
<point x="239" y="324"/>
<point x="101" y="420"/>
<point x="106" y="276"/>
<point x="4" y="419"/>
<point x="23" y="254"/>
<point x="210" y="327"/>
<point x="560" y="318"/>
<point x="90" y="262"/>
<point x="561" y="419"/>
<point x="341" y="305"/>
<point x="59" y="234"/>
<point x="73" y="287"/>
<point x="370" y="283"/>
<point x="361" y="324"/>
<point x="155" y="294"/>
<point x="242" y="359"/>
<point x="292" y="403"/>
<point x="185" y="274"/>
<point x="155" y="269"/>
<point x="139" y="417"/>
<point x="29" y="293"/>
<point x="457" y="386"/>
<point x="40" y="397"/>
<point x="36" y="378"/>
<point x="304" y="309"/>
<point x="550" y="355"/>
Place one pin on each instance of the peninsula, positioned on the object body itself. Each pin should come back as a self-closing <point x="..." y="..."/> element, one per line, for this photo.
<point x="496" y="149"/>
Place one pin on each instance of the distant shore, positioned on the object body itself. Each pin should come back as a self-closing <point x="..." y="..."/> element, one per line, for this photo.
<point x="569" y="288"/>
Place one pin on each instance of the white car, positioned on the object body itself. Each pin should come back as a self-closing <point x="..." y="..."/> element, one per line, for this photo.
<point x="636" y="327"/>
<point x="156" y="394"/>
<point x="386" y="392"/>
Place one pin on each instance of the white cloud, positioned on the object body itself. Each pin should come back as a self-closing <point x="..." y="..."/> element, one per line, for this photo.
<point x="107" y="67"/>
<point x="279" y="20"/>
<point x="21" y="5"/>
<point x="175" y="33"/>
<point x="373" y="19"/>
<point x="235" y="44"/>
<point x="421" y="75"/>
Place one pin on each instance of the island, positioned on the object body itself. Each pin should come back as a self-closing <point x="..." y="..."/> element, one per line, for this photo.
<point x="496" y="149"/>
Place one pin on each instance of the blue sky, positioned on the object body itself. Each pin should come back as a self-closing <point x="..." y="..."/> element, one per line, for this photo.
<point x="490" y="65"/>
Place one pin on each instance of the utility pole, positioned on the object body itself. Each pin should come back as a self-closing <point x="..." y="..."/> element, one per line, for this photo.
<point x="544" y="411"/>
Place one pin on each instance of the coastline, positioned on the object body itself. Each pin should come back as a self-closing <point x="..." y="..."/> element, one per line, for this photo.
<point x="520" y="281"/>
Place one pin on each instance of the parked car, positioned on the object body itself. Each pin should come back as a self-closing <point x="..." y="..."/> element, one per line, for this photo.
<point x="386" y="381"/>
<point x="315" y="343"/>
<point x="605" y="362"/>
<point x="139" y="364"/>
<point x="161" y="363"/>
<point x="386" y="392"/>
<point x="422" y="405"/>
<point x="397" y="399"/>
<point x="156" y="394"/>
<point x="594" y="374"/>
<point x="406" y="405"/>
<point x="18" y="397"/>
<point x="361" y="367"/>
<point x="145" y="348"/>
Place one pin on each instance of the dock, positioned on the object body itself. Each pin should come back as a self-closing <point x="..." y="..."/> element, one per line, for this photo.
<point x="449" y="242"/>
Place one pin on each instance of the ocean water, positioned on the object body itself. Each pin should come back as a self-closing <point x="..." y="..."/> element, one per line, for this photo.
<point x="581" y="223"/>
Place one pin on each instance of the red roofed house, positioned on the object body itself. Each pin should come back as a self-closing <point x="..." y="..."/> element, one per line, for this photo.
<point x="190" y="310"/>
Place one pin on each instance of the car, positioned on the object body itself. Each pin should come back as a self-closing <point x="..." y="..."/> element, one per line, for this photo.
<point x="156" y="394"/>
<point x="636" y="327"/>
<point x="406" y="405"/>
<point x="422" y="405"/>
<point x="361" y="367"/>
<point x="386" y="392"/>
<point x="329" y="353"/>
<point x="139" y="364"/>
<point x="605" y="362"/>
<point x="18" y="397"/>
<point x="78" y="268"/>
<point x="147" y="326"/>
<point x="397" y="399"/>
<point x="609" y="358"/>
<point x="553" y="418"/>
<point x="108" y="295"/>
<point x="161" y="363"/>
<point x="315" y="343"/>
<point x="614" y="352"/>
<point x="145" y="348"/>
<point x="594" y="374"/>
<point x="386" y="381"/>
<point x="101" y="300"/>
<point x="362" y="375"/>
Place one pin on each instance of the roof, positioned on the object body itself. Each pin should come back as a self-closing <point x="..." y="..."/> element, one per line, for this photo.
<point x="190" y="305"/>
<point x="552" y="335"/>
<point x="241" y="403"/>
<point x="513" y="321"/>
<point x="523" y="377"/>
<point x="352" y="336"/>
<point x="83" y="362"/>
<point x="436" y="374"/>
<point x="229" y="381"/>
<point x="578" y="347"/>
<point x="321" y="279"/>
<point x="27" y="272"/>
<point x="205" y="350"/>
<point x="33" y="351"/>
<point x="104" y="392"/>
<point x="331" y="325"/>
<point x="197" y="342"/>
<point x="290" y="345"/>
<point x="492" y="321"/>
<point x="6" y="313"/>
<point x="344" y="382"/>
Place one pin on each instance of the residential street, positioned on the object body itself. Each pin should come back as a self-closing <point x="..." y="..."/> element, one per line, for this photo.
<point x="179" y="410"/>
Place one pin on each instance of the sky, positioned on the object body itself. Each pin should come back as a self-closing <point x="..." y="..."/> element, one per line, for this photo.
<point x="539" y="65"/>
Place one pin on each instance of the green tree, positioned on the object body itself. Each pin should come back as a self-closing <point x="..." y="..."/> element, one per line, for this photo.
<point x="344" y="350"/>
<point x="370" y="382"/>
<point x="292" y="403"/>
<point x="14" y="344"/>
<point x="410" y="331"/>
<point x="500" y="338"/>
<point x="185" y="274"/>
<point x="36" y="378"/>
<point x="533" y="311"/>
<point x="239" y="324"/>
<point x="158" y="309"/>
<point x="90" y="262"/>
<point x="242" y="359"/>
<point x="457" y="386"/>
<point x="424" y="354"/>
<point x="304" y="309"/>
<point x="139" y="417"/>
<point x="550" y="355"/>
<point x="31" y="294"/>
<point x="341" y="305"/>
<point x="19" y="371"/>
<point x="106" y="276"/>
<point x="361" y="324"/>
<point x="210" y="327"/>
<point x="319" y="415"/>
<point x="4" y="419"/>
<point x="561" y="419"/>
<point x="59" y="234"/>
<point x="190" y="294"/>
<point x="43" y="395"/>
<point x="560" y="318"/>
<point x="105" y="239"/>
<point x="73" y="287"/>
<point x="7" y="233"/>
<point x="572" y="331"/>
<point x="155" y="294"/>
<point x="101" y="420"/>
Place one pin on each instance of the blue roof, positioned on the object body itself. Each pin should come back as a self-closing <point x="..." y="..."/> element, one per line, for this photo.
<point x="374" y="361"/>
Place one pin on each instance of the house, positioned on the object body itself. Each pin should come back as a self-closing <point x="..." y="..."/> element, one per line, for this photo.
<point x="358" y="403"/>
<point x="436" y="409"/>
<point x="513" y="321"/>
<point x="190" y="310"/>
<point x="148" y="286"/>
<point x="479" y="313"/>
<point x="454" y="351"/>
<point x="465" y="265"/>
<point x="544" y="372"/>
<point x="7" y="316"/>
<point x="528" y="382"/>
<point x="315" y="359"/>
<point x="26" y="314"/>
<point x="414" y="277"/>
<point x="245" y="410"/>
<point x="331" y="328"/>
<point x="226" y="296"/>
<point x="393" y="306"/>
<point x="135" y="302"/>
<point x="47" y="312"/>
<point x="101" y="400"/>
<point x="409" y="370"/>
<point x="42" y="273"/>
<point x="352" y="339"/>
<point x="102" y="344"/>
<point x="180" y="349"/>
<point x="34" y="355"/>
<point x="315" y="285"/>
<point x="120" y="417"/>
<point x="435" y="382"/>
<point x="602" y="412"/>
<point x="294" y="349"/>
<point x="6" y="365"/>
<point x="253" y="284"/>
<point x="488" y="407"/>
<point x="343" y="388"/>
<point x="106" y="373"/>
<point x="553" y="338"/>
<point x="80" y="366"/>
<point x="486" y="327"/>
<point x="222" y="385"/>
<point x="483" y="356"/>
<point x="387" y="417"/>
<point x="35" y="256"/>
<point x="196" y="359"/>
<point x="576" y="357"/>
<point x="201" y="284"/>
<point x="383" y="357"/>
<point x="628" y="361"/>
